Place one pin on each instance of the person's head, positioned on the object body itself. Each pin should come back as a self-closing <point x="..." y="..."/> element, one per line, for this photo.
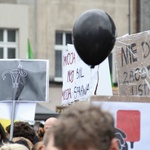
<point x="40" y="132"/>
<point x="22" y="129"/>
<point x="82" y="127"/>
<point x="3" y="137"/>
<point x="49" y="123"/>
<point x="13" y="146"/>
<point x="24" y="141"/>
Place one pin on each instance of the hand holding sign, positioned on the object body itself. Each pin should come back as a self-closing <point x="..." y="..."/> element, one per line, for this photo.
<point x="94" y="35"/>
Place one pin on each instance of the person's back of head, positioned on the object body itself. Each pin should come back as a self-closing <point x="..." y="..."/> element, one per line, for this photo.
<point x="13" y="146"/>
<point x="22" y="129"/>
<point x="40" y="132"/>
<point x="23" y="141"/>
<point x="49" y="123"/>
<point x="82" y="126"/>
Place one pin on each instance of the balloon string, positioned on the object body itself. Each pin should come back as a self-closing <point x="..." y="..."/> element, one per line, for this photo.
<point x="97" y="81"/>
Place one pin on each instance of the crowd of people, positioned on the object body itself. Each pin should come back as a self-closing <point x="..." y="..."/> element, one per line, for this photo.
<point x="81" y="126"/>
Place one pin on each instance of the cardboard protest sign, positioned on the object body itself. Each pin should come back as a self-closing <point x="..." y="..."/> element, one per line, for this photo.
<point x="24" y="80"/>
<point x="131" y="114"/>
<point x="80" y="81"/>
<point x="132" y="54"/>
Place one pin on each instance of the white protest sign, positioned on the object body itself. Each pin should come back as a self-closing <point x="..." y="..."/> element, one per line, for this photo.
<point x="133" y="120"/>
<point x="80" y="81"/>
<point x="133" y="65"/>
<point x="24" y="111"/>
<point x="104" y="85"/>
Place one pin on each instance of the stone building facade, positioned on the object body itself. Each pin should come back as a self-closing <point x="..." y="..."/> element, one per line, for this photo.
<point x="48" y="24"/>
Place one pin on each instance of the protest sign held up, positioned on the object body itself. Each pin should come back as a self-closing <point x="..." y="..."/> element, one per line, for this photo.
<point x="26" y="80"/>
<point x="133" y="66"/>
<point x="76" y="84"/>
<point x="80" y="81"/>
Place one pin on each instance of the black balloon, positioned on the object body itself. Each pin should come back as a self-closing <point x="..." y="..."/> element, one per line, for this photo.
<point x="94" y="36"/>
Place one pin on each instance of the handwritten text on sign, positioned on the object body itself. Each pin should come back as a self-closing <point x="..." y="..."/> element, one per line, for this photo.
<point x="76" y="77"/>
<point x="133" y="65"/>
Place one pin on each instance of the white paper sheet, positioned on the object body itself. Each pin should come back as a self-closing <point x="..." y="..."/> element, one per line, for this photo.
<point x="23" y="111"/>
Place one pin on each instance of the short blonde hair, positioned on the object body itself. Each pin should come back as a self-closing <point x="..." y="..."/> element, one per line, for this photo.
<point x="28" y="142"/>
<point x="13" y="146"/>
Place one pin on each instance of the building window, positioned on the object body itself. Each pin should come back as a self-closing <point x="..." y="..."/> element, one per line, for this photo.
<point x="61" y="41"/>
<point x="8" y="43"/>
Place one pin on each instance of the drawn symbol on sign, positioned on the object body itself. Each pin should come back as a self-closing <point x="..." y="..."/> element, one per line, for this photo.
<point x="16" y="75"/>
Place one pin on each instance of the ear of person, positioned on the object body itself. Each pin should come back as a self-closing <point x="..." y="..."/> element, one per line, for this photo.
<point x="114" y="144"/>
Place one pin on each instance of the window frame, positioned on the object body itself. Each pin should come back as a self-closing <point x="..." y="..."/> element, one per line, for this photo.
<point x="5" y="44"/>
<point x="61" y="48"/>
